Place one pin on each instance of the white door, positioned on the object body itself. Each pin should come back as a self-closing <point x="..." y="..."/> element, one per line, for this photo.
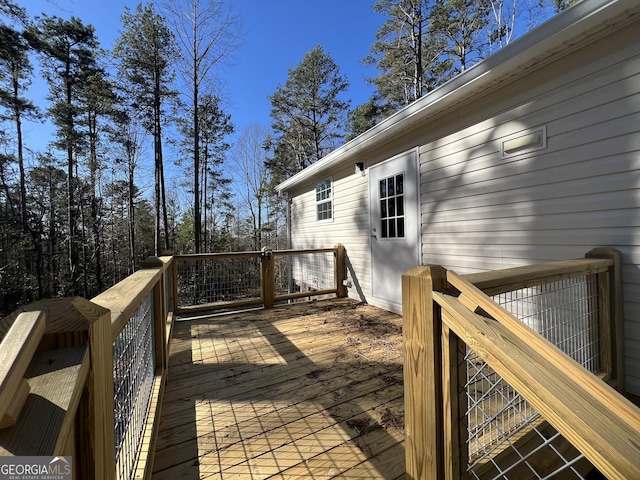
<point x="394" y="223"/>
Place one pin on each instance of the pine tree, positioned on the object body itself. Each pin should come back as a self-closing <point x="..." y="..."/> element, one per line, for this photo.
<point x="214" y="126"/>
<point x="68" y="50"/>
<point x="146" y="51"/>
<point x="307" y="113"/>
<point x="460" y="25"/>
<point x="408" y="53"/>
<point x="206" y="32"/>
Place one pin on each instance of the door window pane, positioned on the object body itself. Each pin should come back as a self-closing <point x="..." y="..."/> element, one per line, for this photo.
<point x="392" y="207"/>
<point x="383" y="188"/>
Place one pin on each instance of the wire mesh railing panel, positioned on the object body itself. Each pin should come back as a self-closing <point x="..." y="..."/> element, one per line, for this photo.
<point x="565" y="313"/>
<point x="506" y="437"/>
<point x="312" y="271"/>
<point x="216" y="280"/>
<point x="133" y="375"/>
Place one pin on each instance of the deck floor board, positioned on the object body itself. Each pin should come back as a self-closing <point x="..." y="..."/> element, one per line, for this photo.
<point x="309" y="390"/>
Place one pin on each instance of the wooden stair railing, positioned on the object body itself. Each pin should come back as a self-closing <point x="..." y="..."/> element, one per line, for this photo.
<point x="16" y="351"/>
<point x="602" y="424"/>
<point x="446" y="316"/>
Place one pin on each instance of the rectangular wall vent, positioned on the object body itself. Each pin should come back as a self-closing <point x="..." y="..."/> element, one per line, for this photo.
<point x="523" y="142"/>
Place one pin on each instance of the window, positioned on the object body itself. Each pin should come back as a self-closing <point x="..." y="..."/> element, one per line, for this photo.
<point x="324" y="200"/>
<point x="392" y="207"/>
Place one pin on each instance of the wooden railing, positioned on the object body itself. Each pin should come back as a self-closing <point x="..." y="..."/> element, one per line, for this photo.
<point x="70" y="397"/>
<point x="85" y="378"/>
<point x="235" y="280"/>
<point x="71" y="411"/>
<point x="458" y="338"/>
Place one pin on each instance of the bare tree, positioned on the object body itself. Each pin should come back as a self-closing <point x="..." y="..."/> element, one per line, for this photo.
<point x="252" y="177"/>
<point x="206" y="33"/>
<point x="514" y="17"/>
<point x="503" y="23"/>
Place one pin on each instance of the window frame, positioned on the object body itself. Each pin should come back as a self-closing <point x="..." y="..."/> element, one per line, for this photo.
<point x="397" y="214"/>
<point x="328" y="200"/>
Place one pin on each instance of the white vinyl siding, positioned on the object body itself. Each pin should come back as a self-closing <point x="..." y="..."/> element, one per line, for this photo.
<point x="350" y="226"/>
<point x="483" y="211"/>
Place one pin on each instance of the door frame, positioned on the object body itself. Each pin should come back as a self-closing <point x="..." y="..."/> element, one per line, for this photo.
<point x="372" y="197"/>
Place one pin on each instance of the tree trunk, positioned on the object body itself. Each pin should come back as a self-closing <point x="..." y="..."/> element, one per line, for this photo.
<point x="159" y="174"/>
<point x="74" y="259"/>
<point x="132" y="210"/>
<point x="197" y="216"/>
<point x="95" y="202"/>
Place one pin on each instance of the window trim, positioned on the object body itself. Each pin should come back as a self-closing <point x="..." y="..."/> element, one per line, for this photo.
<point x="323" y="201"/>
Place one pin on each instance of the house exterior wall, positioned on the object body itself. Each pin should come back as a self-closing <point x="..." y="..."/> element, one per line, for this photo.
<point x="481" y="210"/>
<point x="349" y="226"/>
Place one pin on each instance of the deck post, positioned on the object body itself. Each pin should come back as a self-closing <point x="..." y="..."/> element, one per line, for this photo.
<point x="101" y="389"/>
<point x="422" y="331"/>
<point x="614" y="302"/>
<point x="455" y="420"/>
<point x="267" y="277"/>
<point x="340" y="271"/>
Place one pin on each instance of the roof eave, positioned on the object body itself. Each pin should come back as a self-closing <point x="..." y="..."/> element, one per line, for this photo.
<point x="560" y="33"/>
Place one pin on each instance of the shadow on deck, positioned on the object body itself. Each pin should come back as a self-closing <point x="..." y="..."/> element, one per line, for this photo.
<point x="311" y="390"/>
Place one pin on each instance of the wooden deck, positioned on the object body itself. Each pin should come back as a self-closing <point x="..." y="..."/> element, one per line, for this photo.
<point x="309" y="390"/>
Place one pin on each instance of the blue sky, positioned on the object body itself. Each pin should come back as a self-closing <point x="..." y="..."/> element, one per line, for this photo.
<point x="277" y="34"/>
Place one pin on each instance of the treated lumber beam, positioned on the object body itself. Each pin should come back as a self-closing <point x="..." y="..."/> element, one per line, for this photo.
<point x="590" y="414"/>
<point x="424" y="442"/>
<point x="494" y="282"/>
<point x="57" y="379"/>
<point x="16" y="351"/>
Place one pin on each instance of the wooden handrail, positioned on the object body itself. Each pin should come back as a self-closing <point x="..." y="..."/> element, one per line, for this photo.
<point x="602" y="424"/>
<point x="494" y="282"/>
<point x="16" y="351"/>
<point x="268" y="295"/>
<point x="214" y="256"/>
<point x="435" y="366"/>
<point x="124" y="297"/>
<point x="86" y="329"/>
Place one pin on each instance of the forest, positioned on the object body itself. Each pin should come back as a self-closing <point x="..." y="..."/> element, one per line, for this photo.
<point x="80" y="214"/>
